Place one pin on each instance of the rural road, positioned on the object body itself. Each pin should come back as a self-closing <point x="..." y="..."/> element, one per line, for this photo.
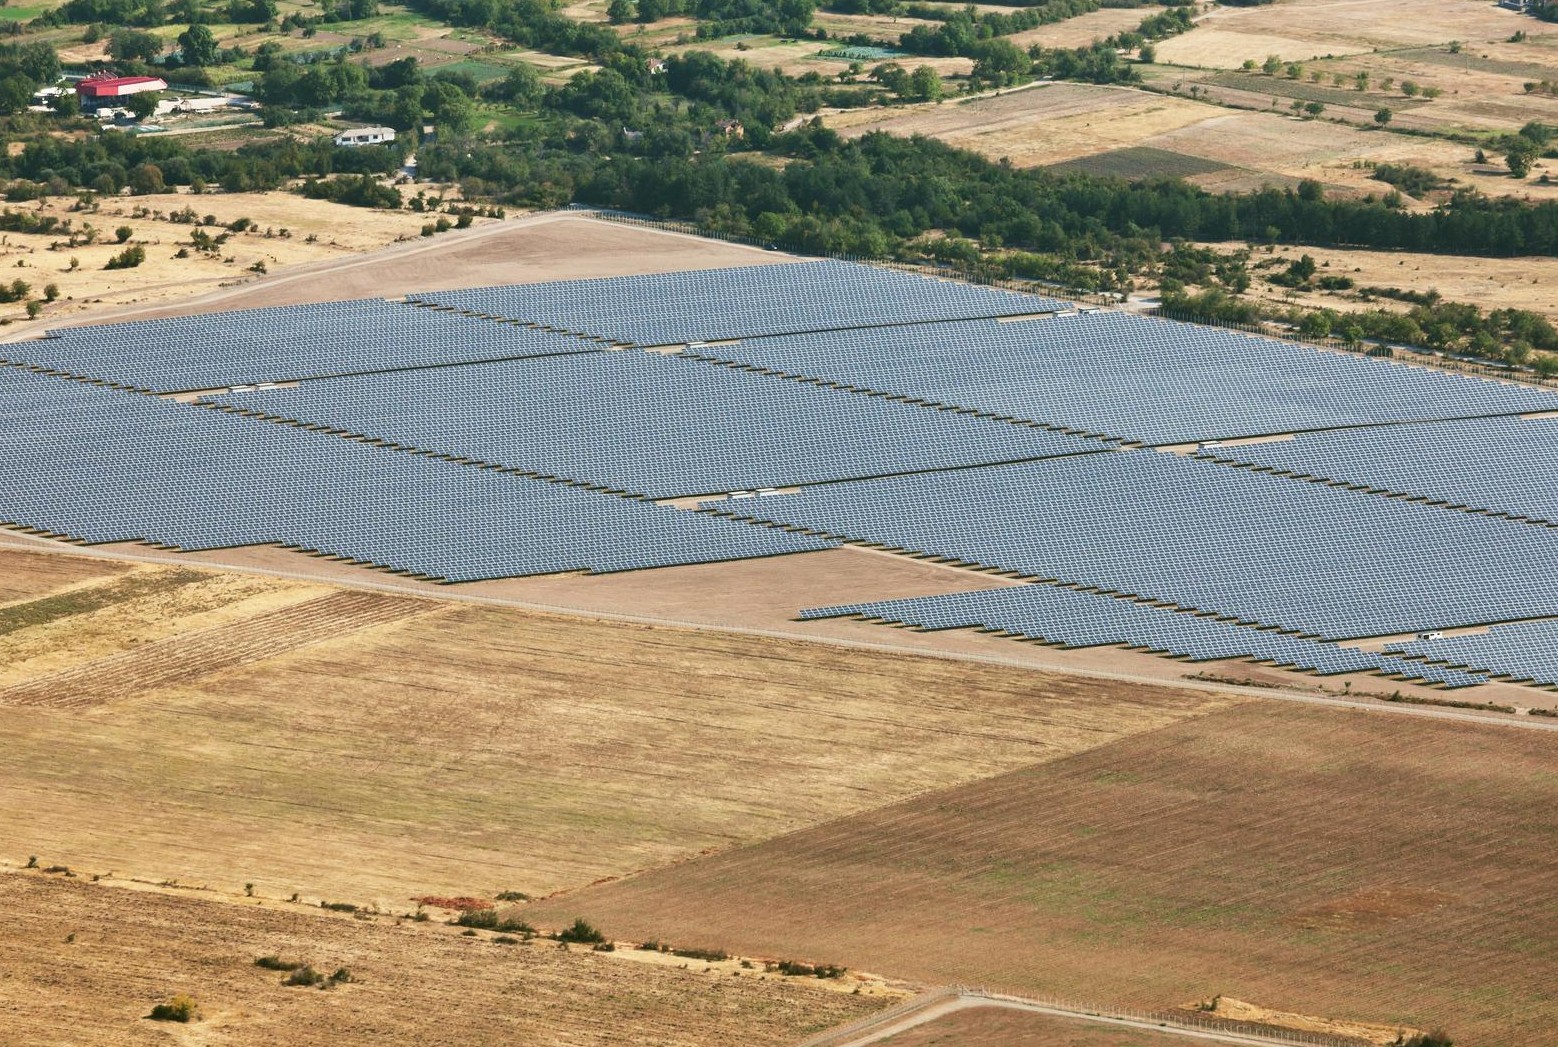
<point x="933" y="1006"/>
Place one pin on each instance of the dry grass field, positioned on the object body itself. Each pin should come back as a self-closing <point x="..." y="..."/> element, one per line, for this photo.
<point x="1038" y="125"/>
<point x="448" y="749"/>
<point x="1298" y="30"/>
<point x="1492" y="283"/>
<point x="316" y="231"/>
<point x="85" y="963"/>
<point x="1314" y="862"/>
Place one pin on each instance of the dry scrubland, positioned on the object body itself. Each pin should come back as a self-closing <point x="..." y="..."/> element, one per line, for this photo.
<point x="85" y="963"/>
<point x="339" y="232"/>
<point x="1347" y="866"/>
<point x="450" y="750"/>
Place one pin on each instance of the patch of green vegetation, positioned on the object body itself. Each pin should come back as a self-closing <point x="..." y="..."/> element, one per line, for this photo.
<point x="48" y="609"/>
<point x="1304" y="90"/>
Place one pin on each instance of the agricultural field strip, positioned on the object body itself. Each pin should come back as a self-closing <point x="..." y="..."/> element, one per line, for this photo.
<point x="100" y="465"/>
<point x="187" y="656"/>
<point x="719" y="304"/>
<point x="1194" y="534"/>
<point x="1071" y="618"/>
<point x="1255" y="853"/>
<point x="651" y="424"/>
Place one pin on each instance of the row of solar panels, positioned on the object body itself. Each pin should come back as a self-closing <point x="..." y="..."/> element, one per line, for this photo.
<point x="1317" y="560"/>
<point x="1067" y="618"/>
<point x="289" y="343"/>
<point x="1132" y="377"/>
<point x="747" y="302"/>
<point x="1522" y="651"/>
<point x="101" y="465"/>
<point x="653" y="425"/>
<point x="1498" y="465"/>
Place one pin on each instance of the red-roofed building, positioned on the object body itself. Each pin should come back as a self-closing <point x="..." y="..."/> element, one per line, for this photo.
<point x="104" y="89"/>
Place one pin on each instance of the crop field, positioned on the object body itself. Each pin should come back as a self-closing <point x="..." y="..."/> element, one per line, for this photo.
<point x="450" y="749"/>
<point x="85" y="963"/>
<point x="1141" y="161"/>
<point x="1353" y="867"/>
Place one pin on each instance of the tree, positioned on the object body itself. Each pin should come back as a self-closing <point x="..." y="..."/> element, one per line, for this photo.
<point x="1314" y="109"/>
<point x="146" y="178"/>
<point x="620" y="11"/>
<point x="1409" y="88"/>
<point x="925" y="83"/>
<point x="1382" y="117"/>
<point x="1000" y="62"/>
<point x="15" y="93"/>
<point x="123" y="234"/>
<point x="134" y="45"/>
<point x="1272" y="65"/>
<point x="1521" y="155"/>
<point x="1360" y="82"/>
<point x="142" y="105"/>
<point x="198" y="46"/>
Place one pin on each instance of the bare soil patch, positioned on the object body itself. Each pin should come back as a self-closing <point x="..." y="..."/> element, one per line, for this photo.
<point x="31" y="575"/>
<point x="1175" y="866"/>
<point x="85" y="964"/>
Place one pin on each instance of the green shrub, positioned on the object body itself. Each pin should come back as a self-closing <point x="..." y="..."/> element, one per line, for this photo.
<point x="129" y="258"/>
<point x="338" y="906"/>
<point x="711" y="955"/>
<point x="489" y="920"/>
<point x="513" y="896"/>
<point x="181" y="1008"/>
<point x="276" y="963"/>
<point x="581" y="931"/>
<point x="304" y="976"/>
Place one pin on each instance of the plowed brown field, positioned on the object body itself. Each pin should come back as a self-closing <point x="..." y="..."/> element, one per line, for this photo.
<point x="1331" y="864"/>
<point x="84" y="964"/>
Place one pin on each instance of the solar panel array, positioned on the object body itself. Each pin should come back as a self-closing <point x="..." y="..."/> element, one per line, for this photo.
<point x="715" y="304"/>
<point x="1132" y="377"/>
<point x="1489" y="464"/>
<point x="652" y="424"/>
<point x="1525" y="651"/>
<point x="1068" y="618"/>
<point x="1313" y="559"/>
<point x="101" y="465"/>
<point x="284" y="343"/>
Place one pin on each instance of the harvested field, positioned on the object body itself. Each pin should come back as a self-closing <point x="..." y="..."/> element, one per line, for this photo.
<point x="28" y="576"/>
<point x="189" y="656"/>
<point x="474" y="750"/>
<point x="85" y="963"/>
<point x="1081" y="30"/>
<point x="1040" y="125"/>
<point x="1296" y="30"/>
<point x="1312" y="862"/>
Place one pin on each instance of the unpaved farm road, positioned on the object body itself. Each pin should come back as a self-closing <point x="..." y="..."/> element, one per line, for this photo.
<point x="35" y="542"/>
<point x="940" y="1004"/>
